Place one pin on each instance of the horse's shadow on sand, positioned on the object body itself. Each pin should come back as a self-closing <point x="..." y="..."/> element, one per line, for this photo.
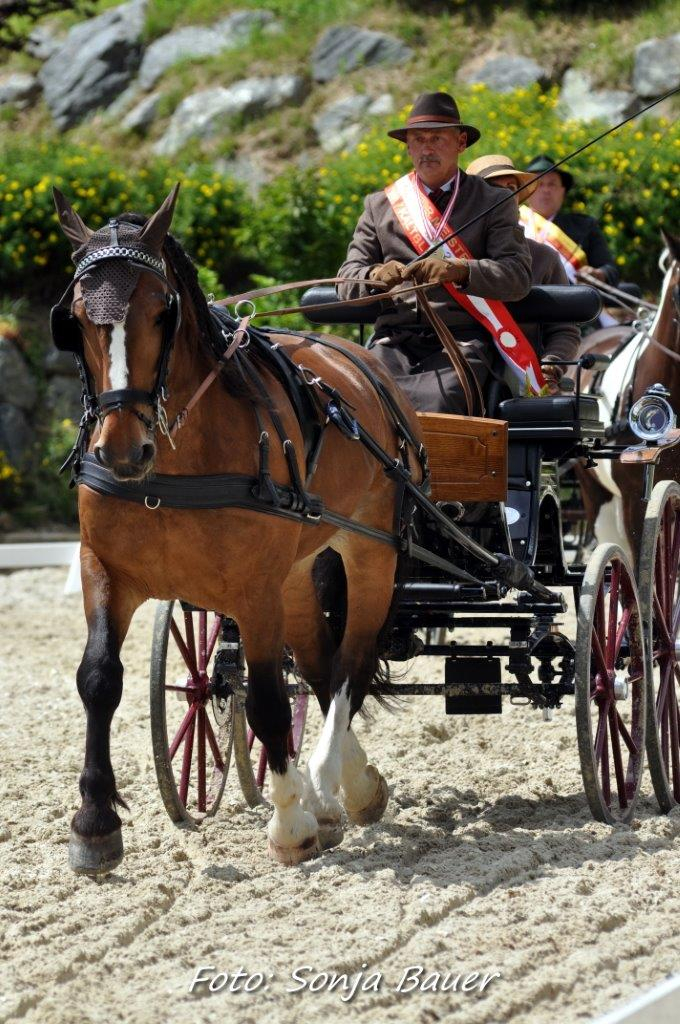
<point x="459" y="840"/>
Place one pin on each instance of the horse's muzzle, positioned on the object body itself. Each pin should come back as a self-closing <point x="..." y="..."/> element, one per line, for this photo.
<point x="136" y="466"/>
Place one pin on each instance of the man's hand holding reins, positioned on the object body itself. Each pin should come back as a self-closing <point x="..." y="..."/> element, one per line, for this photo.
<point x="435" y="270"/>
<point x="388" y="274"/>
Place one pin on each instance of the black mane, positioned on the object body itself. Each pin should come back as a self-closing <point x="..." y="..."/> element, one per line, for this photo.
<point x="210" y="335"/>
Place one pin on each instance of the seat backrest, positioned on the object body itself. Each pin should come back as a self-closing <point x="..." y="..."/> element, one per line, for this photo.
<point x="546" y="304"/>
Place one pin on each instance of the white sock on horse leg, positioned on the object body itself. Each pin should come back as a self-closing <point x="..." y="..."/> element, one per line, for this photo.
<point x="325" y="765"/>
<point x="358" y="785"/>
<point x="290" y="824"/>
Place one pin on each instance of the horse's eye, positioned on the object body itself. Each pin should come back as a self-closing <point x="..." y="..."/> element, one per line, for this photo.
<point x="160" y="319"/>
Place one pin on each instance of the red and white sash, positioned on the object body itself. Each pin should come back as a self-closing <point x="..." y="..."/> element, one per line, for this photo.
<point x="410" y="206"/>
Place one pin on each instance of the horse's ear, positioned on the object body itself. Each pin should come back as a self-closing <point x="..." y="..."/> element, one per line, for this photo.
<point x="156" y="228"/>
<point x="73" y="226"/>
<point x="672" y="243"/>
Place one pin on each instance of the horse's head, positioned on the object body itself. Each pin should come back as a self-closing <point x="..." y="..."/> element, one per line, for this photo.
<point x="121" y="322"/>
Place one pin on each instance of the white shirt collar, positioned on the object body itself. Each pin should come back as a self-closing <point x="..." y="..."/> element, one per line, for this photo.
<point x="446" y="187"/>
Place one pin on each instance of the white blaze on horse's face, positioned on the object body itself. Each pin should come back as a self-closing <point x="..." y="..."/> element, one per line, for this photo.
<point x="118" y="370"/>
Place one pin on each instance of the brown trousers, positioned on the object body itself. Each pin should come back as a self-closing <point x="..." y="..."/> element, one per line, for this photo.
<point x="423" y="370"/>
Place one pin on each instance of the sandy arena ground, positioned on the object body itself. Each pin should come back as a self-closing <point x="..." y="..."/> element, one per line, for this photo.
<point x="487" y="860"/>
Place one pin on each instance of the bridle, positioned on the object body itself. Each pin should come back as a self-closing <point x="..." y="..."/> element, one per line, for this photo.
<point x="67" y="335"/>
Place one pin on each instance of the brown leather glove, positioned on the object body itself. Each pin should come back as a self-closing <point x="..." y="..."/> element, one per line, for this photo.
<point x="388" y="273"/>
<point x="435" y="270"/>
<point x="592" y="272"/>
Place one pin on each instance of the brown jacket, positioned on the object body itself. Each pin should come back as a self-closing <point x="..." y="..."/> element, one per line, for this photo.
<point x="558" y="340"/>
<point x="500" y="267"/>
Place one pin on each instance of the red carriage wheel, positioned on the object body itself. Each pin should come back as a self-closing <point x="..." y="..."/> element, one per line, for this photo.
<point x="611" y="685"/>
<point x="192" y="720"/>
<point x="249" y="753"/>
<point x="660" y="602"/>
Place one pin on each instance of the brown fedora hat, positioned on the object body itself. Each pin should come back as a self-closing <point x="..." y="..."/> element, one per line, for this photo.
<point x="435" y="110"/>
<point x="496" y="165"/>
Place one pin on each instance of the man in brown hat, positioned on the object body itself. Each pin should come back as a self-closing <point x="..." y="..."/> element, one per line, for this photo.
<point x="489" y="261"/>
<point x="554" y="341"/>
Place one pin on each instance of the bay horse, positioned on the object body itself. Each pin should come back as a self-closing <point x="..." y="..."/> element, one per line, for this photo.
<point x="131" y="280"/>
<point x="612" y="491"/>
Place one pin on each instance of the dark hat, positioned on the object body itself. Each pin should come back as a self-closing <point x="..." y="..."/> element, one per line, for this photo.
<point x="546" y="163"/>
<point x="435" y="110"/>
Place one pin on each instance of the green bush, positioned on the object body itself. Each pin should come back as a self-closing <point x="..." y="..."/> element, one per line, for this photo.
<point x="628" y="181"/>
<point x="31" y="243"/>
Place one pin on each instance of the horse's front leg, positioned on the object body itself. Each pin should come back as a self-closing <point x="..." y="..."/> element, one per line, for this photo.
<point x="293" y="832"/>
<point x="96" y="845"/>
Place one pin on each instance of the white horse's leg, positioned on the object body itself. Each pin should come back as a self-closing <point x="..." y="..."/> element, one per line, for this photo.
<point x="324" y="769"/>
<point x="293" y="831"/>
<point x="364" y="790"/>
<point x="609" y="525"/>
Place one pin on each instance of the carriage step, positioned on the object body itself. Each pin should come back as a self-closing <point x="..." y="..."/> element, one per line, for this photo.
<point x="473" y="686"/>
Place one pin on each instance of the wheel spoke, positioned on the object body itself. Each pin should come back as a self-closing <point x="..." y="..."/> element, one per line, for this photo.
<point x="186" y="722"/>
<point x="662" y="695"/>
<point x="186" y="763"/>
<point x="202" y="640"/>
<point x="201" y="759"/>
<point x="660" y="622"/>
<point x="673" y="717"/>
<point x="214" y="633"/>
<point x="618" y="761"/>
<point x="613" y="612"/>
<point x="219" y="763"/>
<point x="599" y="656"/>
<point x="187" y="654"/>
<point x="627" y="738"/>
<point x="604" y="764"/>
<point x="601" y="734"/>
<point x="191" y="639"/>
<point x="621" y="632"/>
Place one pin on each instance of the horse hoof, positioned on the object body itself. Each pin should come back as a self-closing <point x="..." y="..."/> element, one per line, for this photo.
<point x="375" y="808"/>
<point x="331" y="832"/>
<point x="95" y="856"/>
<point x="291" y="855"/>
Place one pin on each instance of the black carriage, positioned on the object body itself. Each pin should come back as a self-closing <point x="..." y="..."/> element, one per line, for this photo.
<point x="496" y="561"/>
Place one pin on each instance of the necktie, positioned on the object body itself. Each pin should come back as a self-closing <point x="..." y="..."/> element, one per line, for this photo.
<point x="440" y="198"/>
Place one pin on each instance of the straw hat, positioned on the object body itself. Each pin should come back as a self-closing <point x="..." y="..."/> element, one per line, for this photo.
<point x="497" y="165"/>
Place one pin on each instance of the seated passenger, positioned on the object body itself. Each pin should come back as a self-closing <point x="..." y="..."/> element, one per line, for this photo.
<point x="576" y="236"/>
<point x="558" y="341"/>
<point x="490" y="261"/>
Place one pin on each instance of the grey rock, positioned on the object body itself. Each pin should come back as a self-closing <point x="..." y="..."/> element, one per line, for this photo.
<point x="19" y="89"/>
<point x="340" y="124"/>
<point x="382" y="105"/>
<point x="15" y="433"/>
<point x="657" y="66"/>
<point x="143" y="114"/>
<point x="16" y="380"/>
<point x="57" y="362"/>
<point x="94" y="64"/>
<point x="204" y="113"/>
<point x="505" y="73"/>
<point x="250" y="173"/>
<point x="579" y="101"/>
<point x="343" y="48"/>
<point x="200" y="41"/>
<point x="43" y="41"/>
<point x="63" y="398"/>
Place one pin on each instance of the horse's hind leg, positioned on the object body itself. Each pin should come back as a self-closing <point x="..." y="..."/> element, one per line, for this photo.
<point x="96" y="844"/>
<point x="338" y="760"/>
<point x="292" y="831"/>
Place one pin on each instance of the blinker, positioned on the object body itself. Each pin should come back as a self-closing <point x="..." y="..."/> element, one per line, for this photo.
<point x="66" y="331"/>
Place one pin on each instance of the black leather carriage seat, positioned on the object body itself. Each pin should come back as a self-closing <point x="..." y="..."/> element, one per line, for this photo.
<point x="553" y="417"/>
<point x="544" y="304"/>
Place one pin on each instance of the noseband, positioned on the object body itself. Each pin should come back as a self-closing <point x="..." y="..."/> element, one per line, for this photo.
<point x="67" y="336"/>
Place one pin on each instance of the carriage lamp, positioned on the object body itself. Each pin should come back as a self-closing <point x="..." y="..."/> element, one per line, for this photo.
<point x="652" y="417"/>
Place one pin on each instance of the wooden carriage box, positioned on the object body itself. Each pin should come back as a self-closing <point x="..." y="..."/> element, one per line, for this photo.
<point x="468" y="456"/>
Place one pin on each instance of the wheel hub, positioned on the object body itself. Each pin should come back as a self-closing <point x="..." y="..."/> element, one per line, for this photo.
<point x="621" y="686"/>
